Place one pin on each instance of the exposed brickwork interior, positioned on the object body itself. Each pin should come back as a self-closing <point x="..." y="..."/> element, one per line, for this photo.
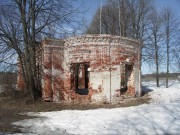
<point x="96" y="68"/>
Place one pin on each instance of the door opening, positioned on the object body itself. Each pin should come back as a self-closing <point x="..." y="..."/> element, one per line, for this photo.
<point x="80" y="78"/>
<point x="126" y="71"/>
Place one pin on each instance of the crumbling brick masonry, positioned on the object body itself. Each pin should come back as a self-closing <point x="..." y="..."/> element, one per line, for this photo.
<point x="97" y="68"/>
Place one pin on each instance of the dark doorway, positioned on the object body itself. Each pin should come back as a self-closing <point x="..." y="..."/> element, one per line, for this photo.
<point x="80" y="78"/>
<point x="126" y="71"/>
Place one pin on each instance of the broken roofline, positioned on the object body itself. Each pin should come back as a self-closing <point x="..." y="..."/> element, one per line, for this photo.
<point x="93" y="37"/>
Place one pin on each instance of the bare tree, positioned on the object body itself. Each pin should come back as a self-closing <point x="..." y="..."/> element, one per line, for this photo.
<point x="24" y="22"/>
<point x="139" y="13"/>
<point x="9" y="36"/>
<point x="153" y="47"/>
<point x="109" y="21"/>
<point x="171" y="35"/>
<point x="123" y="17"/>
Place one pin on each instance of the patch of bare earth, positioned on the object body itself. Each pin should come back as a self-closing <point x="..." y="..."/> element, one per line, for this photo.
<point x="12" y="104"/>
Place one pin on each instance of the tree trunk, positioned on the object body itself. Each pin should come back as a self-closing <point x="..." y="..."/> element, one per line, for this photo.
<point x="157" y="75"/>
<point x="167" y="52"/>
<point x="157" y="61"/>
<point x="30" y="48"/>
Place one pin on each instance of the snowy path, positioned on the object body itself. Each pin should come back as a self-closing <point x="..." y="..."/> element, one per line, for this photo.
<point x="162" y="116"/>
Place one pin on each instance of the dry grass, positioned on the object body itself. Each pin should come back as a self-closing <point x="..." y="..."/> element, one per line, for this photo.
<point x="13" y="103"/>
<point x="21" y="101"/>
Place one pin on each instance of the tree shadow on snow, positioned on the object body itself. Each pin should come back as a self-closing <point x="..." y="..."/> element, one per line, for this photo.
<point x="171" y="84"/>
<point x="163" y="84"/>
<point x="146" y="90"/>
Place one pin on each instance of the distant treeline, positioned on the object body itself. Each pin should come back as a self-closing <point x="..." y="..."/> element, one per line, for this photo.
<point x="161" y="75"/>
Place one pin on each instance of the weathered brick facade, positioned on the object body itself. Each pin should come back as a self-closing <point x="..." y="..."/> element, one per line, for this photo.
<point x="97" y="68"/>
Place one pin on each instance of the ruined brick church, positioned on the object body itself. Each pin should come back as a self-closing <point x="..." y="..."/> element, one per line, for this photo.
<point x="96" y="68"/>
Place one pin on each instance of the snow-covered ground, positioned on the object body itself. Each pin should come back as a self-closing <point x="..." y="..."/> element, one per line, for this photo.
<point x="163" y="95"/>
<point x="161" y="116"/>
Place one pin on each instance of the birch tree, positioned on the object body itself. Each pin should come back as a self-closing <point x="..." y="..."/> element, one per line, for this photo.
<point x="171" y="36"/>
<point x="153" y="45"/>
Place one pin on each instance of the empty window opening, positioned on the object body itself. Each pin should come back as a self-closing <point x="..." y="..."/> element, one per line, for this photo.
<point x="80" y="78"/>
<point x="126" y="71"/>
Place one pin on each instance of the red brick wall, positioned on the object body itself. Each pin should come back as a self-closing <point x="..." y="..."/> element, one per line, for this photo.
<point x="103" y="53"/>
<point x="52" y="70"/>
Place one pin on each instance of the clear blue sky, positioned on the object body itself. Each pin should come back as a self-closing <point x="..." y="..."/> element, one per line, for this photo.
<point x="174" y="4"/>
